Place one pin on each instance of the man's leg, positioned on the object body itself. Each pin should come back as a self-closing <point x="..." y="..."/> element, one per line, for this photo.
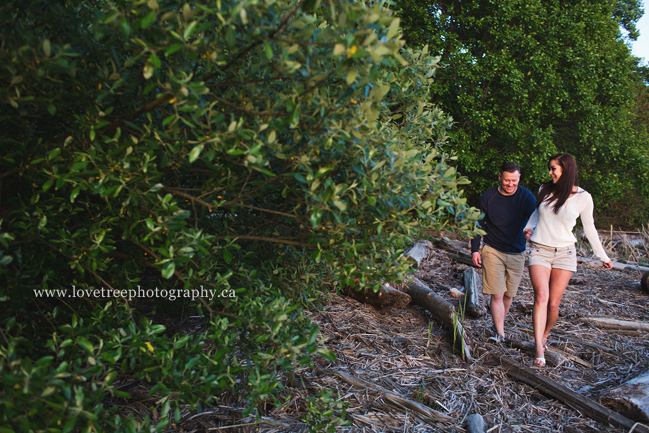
<point x="494" y="285"/>
<point x="499" y="308"/>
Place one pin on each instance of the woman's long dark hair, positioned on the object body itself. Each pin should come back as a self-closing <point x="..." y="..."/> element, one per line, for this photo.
<point x="559" y="192"/>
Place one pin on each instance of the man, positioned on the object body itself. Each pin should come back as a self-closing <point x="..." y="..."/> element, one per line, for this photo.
<point x="507" y="207"/>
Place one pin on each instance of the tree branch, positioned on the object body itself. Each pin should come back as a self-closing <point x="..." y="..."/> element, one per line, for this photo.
<point x="265" y="239"/>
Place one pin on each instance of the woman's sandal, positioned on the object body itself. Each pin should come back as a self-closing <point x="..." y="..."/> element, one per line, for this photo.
<point x="545" y="345"/>
<point x="539" y="362"/>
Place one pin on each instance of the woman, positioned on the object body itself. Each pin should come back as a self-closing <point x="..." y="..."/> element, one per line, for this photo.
<point x="553" y="257"/>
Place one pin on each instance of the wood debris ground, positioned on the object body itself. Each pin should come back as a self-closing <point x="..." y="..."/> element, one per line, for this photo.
<point x="406" y="352"/>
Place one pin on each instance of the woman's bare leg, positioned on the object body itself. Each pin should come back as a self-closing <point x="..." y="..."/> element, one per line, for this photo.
<point x="540" y="277"/>
<point x="559" y="279"/>
<point x="549" y="286"/>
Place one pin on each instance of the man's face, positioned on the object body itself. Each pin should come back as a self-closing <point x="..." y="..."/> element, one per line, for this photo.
<point x="509" y="182"/>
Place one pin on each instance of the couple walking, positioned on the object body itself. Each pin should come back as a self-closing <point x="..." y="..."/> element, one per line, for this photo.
<point x="513" y="216"/>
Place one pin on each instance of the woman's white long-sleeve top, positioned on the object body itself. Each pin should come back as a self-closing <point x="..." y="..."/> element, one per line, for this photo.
<point x="555" y="230"/>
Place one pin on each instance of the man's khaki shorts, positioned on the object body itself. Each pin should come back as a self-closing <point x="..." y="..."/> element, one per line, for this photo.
<point x="501" y="272"/>
<point x="554" y="258"/>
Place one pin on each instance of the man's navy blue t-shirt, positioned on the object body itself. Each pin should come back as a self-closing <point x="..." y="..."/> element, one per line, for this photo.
<point x="505" y="218"/>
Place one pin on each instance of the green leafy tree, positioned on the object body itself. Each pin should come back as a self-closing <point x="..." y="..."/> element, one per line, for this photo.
<point x="253" y="148"/>
<point x="524" y="80"/>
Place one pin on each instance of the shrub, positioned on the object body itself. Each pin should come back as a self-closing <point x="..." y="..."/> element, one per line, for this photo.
<point x="235" y="146"/>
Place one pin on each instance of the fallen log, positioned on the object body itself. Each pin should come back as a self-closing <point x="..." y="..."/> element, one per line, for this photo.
<point x="552" y="358"/>
<point x="631" y="399"/>
<point x="473" y="287"/>
<point x="419" y="252"/>
<point x="558" y="334"/>
<point x="451" y="246"/>
<point x="424" y="297"/>
<point x="386" y="296"/>
<point x="604" y="322"/>
<point x="616" y="265"/>
<point x="475" y="423"/>
<point x="394" y="399"/>
<point x="576" y="401"/>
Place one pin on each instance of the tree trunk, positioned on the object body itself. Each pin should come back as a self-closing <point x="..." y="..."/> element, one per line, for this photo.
<point x="424" y="297"/>
<point x="473" y="287"/>
<point x="418" y="252"/>
<point x="631" y="399"/>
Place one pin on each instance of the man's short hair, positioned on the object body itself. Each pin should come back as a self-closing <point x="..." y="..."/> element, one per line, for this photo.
<point x="510" y="167"/>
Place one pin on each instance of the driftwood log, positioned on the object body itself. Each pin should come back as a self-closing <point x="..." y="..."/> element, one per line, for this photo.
<point x="424" y="297"/>
<point x="616" y="265"/>
<point x="394" y="399"/>
<point x="475" y="423"/>
<point x="558" y="334"/>
<point x="386" y="296"/>
<point x="576" y="401"/>
<point x="604" y="322"/>
<point x="552" y="358"/>
<point x="631" y="399"/>
<point x="455" y="250"/>
<point x="472" y="288"/>
<point x="419" y="252"/>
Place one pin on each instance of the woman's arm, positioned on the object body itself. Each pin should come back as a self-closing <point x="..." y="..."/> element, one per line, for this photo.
<point x="531" y="224"/>
<point x="588" y="222"/>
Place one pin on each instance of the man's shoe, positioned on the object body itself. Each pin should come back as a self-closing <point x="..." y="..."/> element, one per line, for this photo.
<point x="498" y="338"/>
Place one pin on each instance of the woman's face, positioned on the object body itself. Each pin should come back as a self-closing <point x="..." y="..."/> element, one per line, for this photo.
<point x="555" y="170"/>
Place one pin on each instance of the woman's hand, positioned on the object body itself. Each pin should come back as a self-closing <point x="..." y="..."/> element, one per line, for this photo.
<point x="528" y="234"/>
<point x="608" y="265"/>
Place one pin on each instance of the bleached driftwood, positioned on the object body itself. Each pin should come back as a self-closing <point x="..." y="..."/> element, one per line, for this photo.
<point x="616" y="265"/>
<point x="604" y="322"/>
<point x="472" y="288"/>
<point x="579" y="402"/>
<point x="551" y="357"/>
<point x="424" y="297"/>
<point x="631" y="399"/>
<point x="395" y="400"/>
<point x="418" y="252"/>
<point x="455" y="250"/>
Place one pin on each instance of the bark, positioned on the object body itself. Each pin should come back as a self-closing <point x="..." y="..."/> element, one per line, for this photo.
<point x="386" y="296"/>
<point x="475" y="423"/>
<point x="630" y="399"/>
<point x="418" y="252"/>
<point x="573" y="399"/>
<point x="472" y="288"/>
<point x="424" y="297"/>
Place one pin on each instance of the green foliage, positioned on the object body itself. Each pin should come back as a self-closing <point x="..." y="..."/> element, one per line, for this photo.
<point x="528" y="79"/>
<point x="249" y="148"/>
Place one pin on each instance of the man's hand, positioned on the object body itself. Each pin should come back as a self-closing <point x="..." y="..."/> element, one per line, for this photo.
<point x="608" y="265"/>
<point x="528" y="234"/>
<point x="477" y="259"/>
